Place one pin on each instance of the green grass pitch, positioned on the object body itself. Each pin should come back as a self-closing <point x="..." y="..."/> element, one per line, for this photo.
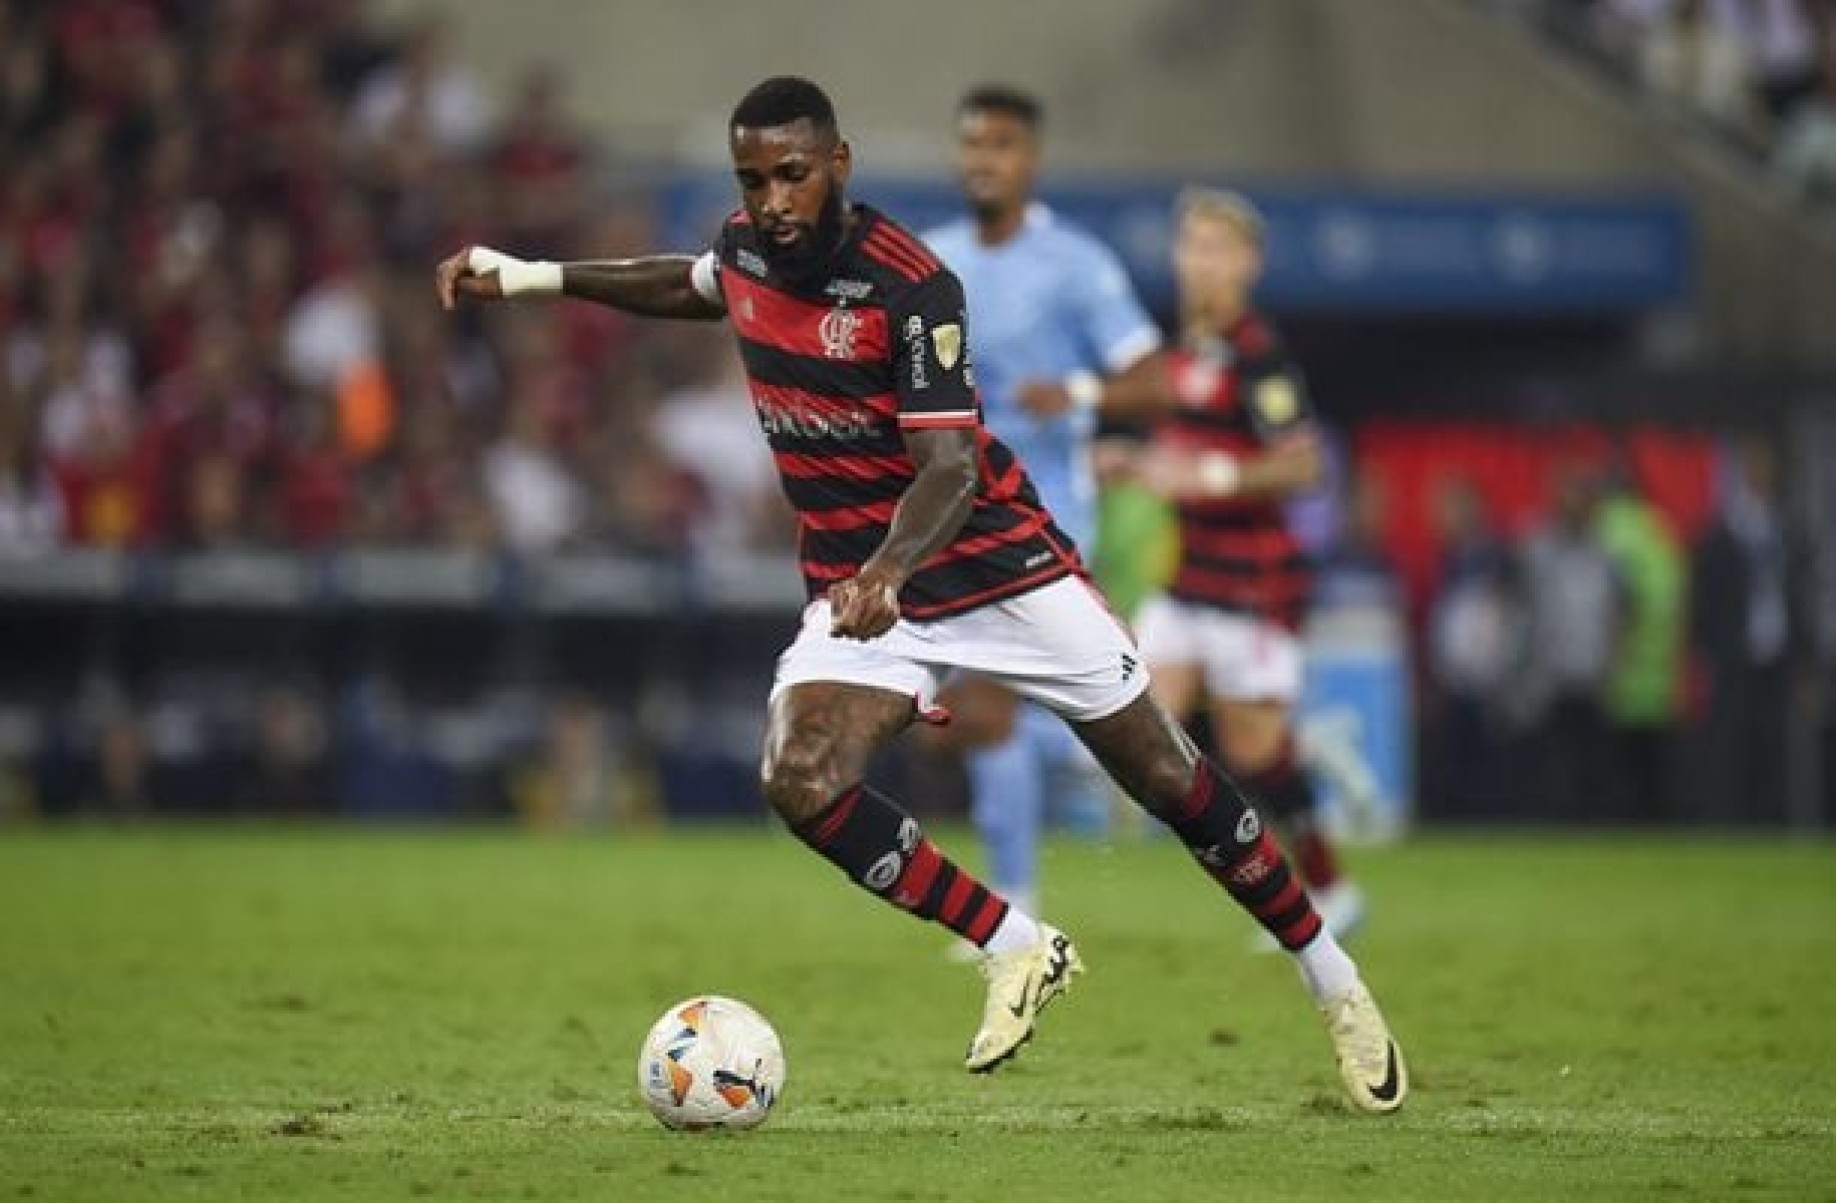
<point x="347" y="1015"/>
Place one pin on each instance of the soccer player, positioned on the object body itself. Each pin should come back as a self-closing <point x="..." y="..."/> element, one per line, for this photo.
<point x="1234" y="442"/>
<point x="925" y="549"/>
<point x="1051" y="310"/>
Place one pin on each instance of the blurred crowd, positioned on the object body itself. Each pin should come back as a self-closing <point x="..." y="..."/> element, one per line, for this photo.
<point x="218" y="221"/>
<point x="1761" y="73"/>
<point x="1599" y="664"/>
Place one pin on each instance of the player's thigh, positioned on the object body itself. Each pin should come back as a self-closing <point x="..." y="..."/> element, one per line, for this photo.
<point x="819" y="738"/>
<point x="1251" y="733"/>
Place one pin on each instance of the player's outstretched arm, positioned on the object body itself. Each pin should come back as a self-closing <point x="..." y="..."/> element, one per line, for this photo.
<point x="655" y="285"/>
<point x="930" y="514"/>
<point x="1141" y="390"/>
<point x="1287" y="469"/>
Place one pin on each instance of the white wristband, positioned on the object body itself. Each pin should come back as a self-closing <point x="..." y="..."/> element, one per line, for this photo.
<point x="1085" y="390"/>
<point x="1218" y="475"/>
<point x="517" y="277"/>
<point x="704" y="277"/>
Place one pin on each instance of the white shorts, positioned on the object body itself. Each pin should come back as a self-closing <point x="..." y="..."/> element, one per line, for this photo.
<point x="1243" y="658"/>
<point x="1058" y="645"/>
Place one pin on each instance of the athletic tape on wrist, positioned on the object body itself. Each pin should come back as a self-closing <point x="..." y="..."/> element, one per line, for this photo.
<point x="517" y="277"/>
<point x="1085" y="390"/>
<point x="1219" y="474"/>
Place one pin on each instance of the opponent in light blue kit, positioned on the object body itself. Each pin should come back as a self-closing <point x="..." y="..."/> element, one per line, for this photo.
<point x="1050" y="308"/>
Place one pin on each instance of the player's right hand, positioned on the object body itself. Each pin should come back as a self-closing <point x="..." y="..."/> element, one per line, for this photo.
<point x="456" y="277"/>
<point x="865" y="606"/>
<point x="1115" y="460"/>
<point x="1043" y="398"/>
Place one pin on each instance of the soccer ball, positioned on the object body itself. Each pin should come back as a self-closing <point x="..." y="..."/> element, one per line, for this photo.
<point x="711" y="1062"/>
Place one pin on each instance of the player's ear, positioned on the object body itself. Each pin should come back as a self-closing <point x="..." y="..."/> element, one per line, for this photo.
<point x="841" y="161"/>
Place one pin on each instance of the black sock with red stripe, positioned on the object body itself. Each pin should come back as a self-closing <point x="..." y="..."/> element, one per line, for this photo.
<point x="867" y="836"/>
<point x="1227" y="837"/>
<point x="1291" y="800"/>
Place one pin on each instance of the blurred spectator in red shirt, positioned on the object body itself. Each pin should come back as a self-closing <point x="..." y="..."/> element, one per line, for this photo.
<point x="317" y="489"/>
<point x="213" y="408"/>
<point x="101" y="482"/>
<point x="99" y="43"/>
<point x="542" y="163"/>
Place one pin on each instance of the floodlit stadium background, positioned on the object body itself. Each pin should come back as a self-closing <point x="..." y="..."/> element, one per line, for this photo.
<point x="279" y="538"/>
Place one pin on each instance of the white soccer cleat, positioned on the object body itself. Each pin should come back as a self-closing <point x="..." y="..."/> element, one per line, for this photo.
<point x="1020" y="984"/>
<point x="1370" y="1064"/>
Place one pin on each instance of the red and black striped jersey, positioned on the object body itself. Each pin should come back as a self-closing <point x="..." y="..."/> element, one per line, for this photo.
<point x="1239" y="394"/>
<point x="840" y="367"/>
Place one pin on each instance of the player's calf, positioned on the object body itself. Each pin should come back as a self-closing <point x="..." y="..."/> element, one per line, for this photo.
<point x="884" y="851"/>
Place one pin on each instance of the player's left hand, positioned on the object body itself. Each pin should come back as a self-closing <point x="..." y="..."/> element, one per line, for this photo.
<point x="865" y="606"/>
<point x="1043" y="398"/>
<point x="1166" y="473"/>
<point x="1115" y="461"/>
<point x="1172" y="474"/>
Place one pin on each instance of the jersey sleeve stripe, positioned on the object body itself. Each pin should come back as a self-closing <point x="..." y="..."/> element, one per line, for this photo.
<point x="901" y="240"/>
<point x="903" y="262"/>
<point x="904" y="270"/>
<point x="955" y="419"/>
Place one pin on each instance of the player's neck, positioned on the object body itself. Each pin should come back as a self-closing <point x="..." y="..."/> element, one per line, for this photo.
<point x="1216" y="314"/>
<point x="993" y="229"/>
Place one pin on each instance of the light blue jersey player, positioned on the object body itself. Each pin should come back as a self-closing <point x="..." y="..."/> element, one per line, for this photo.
<point x="1050" y="309"/>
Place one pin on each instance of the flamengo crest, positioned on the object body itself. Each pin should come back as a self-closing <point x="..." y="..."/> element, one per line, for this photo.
<point x="837" y="330"/>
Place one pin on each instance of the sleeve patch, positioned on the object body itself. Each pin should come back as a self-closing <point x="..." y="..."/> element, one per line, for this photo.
<point x="948" y="340"/>
<point x="1277" y="402"/>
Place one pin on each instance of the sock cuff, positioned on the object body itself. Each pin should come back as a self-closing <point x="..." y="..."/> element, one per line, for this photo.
<point x="1204" y="790"/>
<point x="820" y="829"/>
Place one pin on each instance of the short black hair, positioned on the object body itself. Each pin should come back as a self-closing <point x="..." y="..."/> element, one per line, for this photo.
<point x="1024" y="107"/>
<point x="784" y="100"/>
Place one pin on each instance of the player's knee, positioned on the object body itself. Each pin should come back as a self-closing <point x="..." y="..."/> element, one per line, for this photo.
<point x="1166" y="782"/>
<point x="1247" y="757"/>
<point x="1253" y="745"/>
<point x="800" y="777"/>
